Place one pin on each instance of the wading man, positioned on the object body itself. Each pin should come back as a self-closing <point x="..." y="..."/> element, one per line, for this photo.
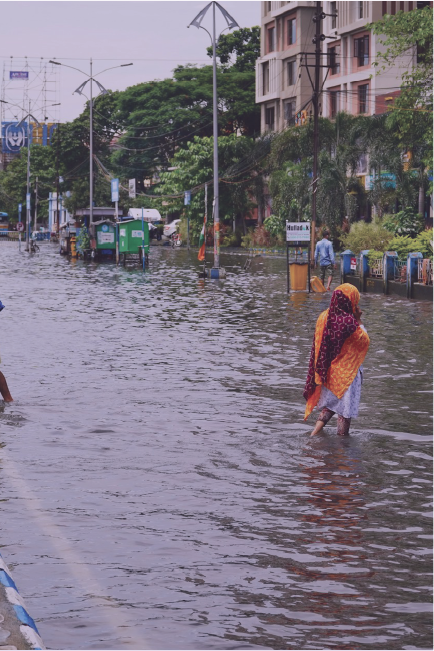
<point x="324" y="251"/>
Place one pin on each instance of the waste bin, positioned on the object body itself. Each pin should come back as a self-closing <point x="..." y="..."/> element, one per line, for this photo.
<point x="105" y="236"/>
<point x="131" y="236"/>
<point x="298" y="272"/>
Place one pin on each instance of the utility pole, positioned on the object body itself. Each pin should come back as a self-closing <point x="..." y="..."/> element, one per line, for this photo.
<point x="315" y="100"/>
<point x="316" y="95"/>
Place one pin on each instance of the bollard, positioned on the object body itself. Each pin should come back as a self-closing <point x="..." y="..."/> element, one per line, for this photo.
<point x="412" y="259"/>
<point x="364" y="269"/>
<point x="73" y="247"/>
<point x="388" y="268"/>
<point x="346" y="264"/>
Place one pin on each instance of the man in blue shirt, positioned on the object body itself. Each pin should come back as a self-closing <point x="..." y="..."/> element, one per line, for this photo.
<point x="324" y="251"/>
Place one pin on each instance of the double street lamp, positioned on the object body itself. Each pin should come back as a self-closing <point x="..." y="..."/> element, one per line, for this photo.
<point x="216" y="272"/>
<point x="79" y="91"/>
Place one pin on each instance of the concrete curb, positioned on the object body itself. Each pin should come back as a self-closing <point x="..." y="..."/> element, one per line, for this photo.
<point x="17" y="628"/>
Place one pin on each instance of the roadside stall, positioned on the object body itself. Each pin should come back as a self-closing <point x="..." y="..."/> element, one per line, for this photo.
<point x="133" y="240"/>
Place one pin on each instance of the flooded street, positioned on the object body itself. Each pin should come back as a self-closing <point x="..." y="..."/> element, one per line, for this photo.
<point x="159" y="488"/>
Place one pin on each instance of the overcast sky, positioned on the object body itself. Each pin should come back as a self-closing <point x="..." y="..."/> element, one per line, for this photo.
<point x="152" y="35"/>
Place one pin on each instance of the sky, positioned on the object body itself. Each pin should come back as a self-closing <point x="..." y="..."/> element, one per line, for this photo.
<point x="152" y="35"/>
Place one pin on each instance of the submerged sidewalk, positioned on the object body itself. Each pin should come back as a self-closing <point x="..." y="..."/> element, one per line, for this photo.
<point x="17" y="628"/>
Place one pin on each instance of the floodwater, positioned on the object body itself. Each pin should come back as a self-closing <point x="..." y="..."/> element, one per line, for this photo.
<point x="159" y="488"/>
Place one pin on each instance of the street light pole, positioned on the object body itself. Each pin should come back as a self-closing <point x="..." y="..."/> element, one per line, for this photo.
<point x="28" y="216"/>
<point x="79" y="91"/>
<point x="216" y="271"/>
<point x="91" y="151"/>
<point x="215" y="144"/>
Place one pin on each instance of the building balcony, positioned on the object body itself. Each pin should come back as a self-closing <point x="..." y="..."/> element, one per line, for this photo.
<point x="268" y="78"/>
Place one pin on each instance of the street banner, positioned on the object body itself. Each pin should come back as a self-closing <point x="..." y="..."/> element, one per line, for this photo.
<point x="187" y="198"/>
<point x="115" y="189"/>
<point x="28" y="195"/>
<point x="132" y="188"/>
<point x="298" y="231"/>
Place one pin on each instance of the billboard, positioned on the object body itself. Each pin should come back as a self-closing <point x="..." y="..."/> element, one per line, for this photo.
<point x="18" y="74"/>
<point x="14" y="136"/>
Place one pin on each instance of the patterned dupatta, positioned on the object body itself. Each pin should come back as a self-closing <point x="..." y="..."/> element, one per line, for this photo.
<point x="339" y="347"/>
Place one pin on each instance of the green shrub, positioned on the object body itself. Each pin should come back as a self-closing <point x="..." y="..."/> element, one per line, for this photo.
<point x="405" y="222"/>
<point x="275" y="225"/>
<point x="374" y="255"/>
<point x="364" y="236"/>
<point x="404" y="244"/>
<point x="423" y="242"/>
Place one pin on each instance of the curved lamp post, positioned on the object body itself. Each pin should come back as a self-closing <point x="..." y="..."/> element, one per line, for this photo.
<point x="216" y="272"/>
<point x="79" y="91"/>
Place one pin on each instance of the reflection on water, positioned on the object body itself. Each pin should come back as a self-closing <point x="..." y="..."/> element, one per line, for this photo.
<point x="159" y="486"/>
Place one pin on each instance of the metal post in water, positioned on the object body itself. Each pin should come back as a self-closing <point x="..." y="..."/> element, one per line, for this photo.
<point x="215" y="144"/>
<point x="143" y="240"/>
<point x="91" y="154"/>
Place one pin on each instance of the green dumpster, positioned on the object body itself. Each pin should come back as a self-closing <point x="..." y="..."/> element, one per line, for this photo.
<point x="132" y="234"/>
<point x="105" y="236"/>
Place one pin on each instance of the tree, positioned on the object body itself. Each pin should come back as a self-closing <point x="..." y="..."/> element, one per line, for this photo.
<point x="411" y="114"/>
<point x="193" y="167"/>
<point x="244" y="43"/>
<point x="13" y="180"/>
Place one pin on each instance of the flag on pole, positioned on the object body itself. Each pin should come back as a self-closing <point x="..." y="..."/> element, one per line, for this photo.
<point x="201" y="254"/>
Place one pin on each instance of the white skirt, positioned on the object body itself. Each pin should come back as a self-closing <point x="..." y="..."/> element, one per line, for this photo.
<point x="348" y="405"/>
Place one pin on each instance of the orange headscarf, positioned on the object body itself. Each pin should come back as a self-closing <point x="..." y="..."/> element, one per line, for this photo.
<point x="344" y="367"/>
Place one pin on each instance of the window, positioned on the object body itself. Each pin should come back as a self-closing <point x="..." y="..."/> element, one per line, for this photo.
<point x="392" y="8"/>
<point x="361" y="50"/>
<point x="291" y="31"/>
<point x="269" y="117"/>
<point x="268" y="7"/>
<point x="289" y="111"/>
<point x="271" y="39"/>
<point x="333" y="11"/>
<point x="265" y="78"/>
<point x="334" y="61"/>
<point x="360" y="14"/>
<point x="290" y="66"/>
<point x="363" y="98"/>
<point x="334" y="103"/>
<point x="383" y="8"/>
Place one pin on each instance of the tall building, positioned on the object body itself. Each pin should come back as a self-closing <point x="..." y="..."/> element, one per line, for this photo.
<point x="351" y="84"/>
<point x="282" y="84"/>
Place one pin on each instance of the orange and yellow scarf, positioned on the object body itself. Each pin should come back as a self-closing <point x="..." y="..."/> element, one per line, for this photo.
<point x="339" y="347"/>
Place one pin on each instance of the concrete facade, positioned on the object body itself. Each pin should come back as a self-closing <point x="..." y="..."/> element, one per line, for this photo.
<point x="353" y="84"/>
<point x="282" y="85"/>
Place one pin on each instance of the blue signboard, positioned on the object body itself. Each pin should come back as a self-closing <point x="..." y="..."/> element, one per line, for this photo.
<point x="187" y="198"/>
<point x="28" y="195"/>
<point x="115" y="189"/>
<point x="18" y="74"/>
<point x="14" y="137"/>
<point x="20" y="207"/>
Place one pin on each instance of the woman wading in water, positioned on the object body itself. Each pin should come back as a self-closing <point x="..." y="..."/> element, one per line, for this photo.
<point x="335" y="376"/>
